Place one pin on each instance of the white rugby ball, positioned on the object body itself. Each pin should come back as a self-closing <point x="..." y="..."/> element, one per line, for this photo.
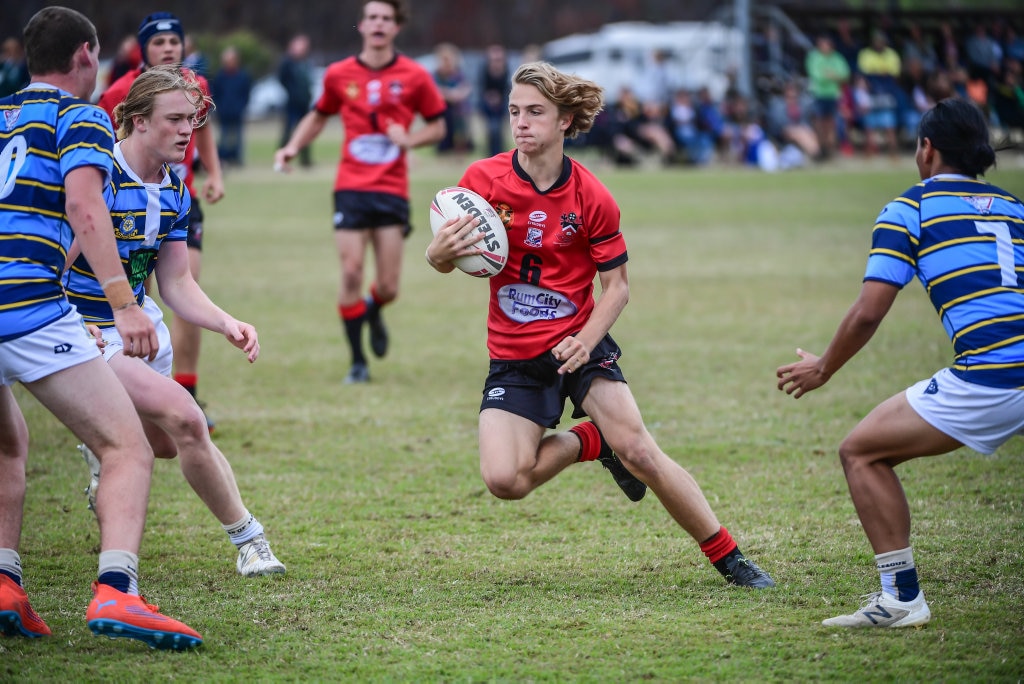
<point x="456" y="202"/>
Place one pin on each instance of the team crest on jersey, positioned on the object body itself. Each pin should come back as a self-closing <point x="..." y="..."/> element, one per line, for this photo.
<point x="534" y="237"/>
<point x="352" y="90"/>
<point x="11" y="117"/>
<point x="127" y="228"/>
<point x="571" y="225"/>
<point x="982" y="204"/>
<point x="395" y="89"/>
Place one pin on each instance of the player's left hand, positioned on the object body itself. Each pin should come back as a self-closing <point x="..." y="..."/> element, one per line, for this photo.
<point x="243" y="336"/>
<point x="397" y="134"/>
<point x="213" y="189"/>
<point x="572" y="353"/>
<point x="96" y="334"/>
<point x="801" y="377"/>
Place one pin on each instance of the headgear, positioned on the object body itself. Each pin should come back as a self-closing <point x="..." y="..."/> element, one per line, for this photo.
<point x="158" y="22"/>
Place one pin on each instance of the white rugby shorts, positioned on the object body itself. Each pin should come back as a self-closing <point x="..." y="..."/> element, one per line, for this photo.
<point x="980" y="417"/>
<point x="164" y="358"/>
<point x="56" y="347"/>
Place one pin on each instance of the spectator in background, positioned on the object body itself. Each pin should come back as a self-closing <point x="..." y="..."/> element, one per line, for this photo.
<point x="920" y="48"/>
<point x="710" y="120"/>
<point x="827" y="73"/>
<point x="881" y="67"/>
<point x="194" y="58"/>
<point x="230" y="89"/>
<point x="13" y="68"/>
<point x="914" y="83"/>
<point x="495" y="82"/>
<point x="788" y="122"/>
<point x="949" y="47"/>
<point x="847" y="45"/>
<point x="1008" y="97"/>
<point x="296" y="76"/>
<point x="457" y="93"/>
<point x="686" y="131"/>
<point x="983" y="54"/>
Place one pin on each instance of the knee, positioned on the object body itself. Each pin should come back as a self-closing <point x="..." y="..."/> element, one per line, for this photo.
<point x="187" y="427"/>
<point x="851" y="455"/>
<point x="639" y="453"/>
<point x="506" y="488"/>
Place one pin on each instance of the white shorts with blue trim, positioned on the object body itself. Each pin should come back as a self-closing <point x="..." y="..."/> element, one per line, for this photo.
<point x="56" y="347"/>
<point x="164" y="358"/>
<point x="980" y="417"/>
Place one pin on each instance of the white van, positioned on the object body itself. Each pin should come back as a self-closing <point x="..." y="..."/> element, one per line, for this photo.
<point x="621" y="54"/>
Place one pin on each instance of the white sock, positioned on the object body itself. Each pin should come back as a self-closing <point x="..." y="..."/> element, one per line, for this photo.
<point x="122" y="561"/>
<point x="10" y="562"/>
<point x="244" y="530"/>
<point x="898" y="574"/>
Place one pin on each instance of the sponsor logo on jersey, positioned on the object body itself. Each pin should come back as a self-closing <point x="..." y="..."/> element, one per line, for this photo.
<point x="62" y="348"/>
<point x="496" y="393"/>
<point x="983" y="205"/>
<point x="373" y="92"/>
<point x="534" y="237"/>
<point x="536" y="222"/>
<point x="525" y="303"/>
<point x="11" y="117"/>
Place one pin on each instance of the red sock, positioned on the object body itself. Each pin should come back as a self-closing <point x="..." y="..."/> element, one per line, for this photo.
<point x="349" y="313"/>
<point x="718" y="546"/>
<point x="188" y="381"/>
<point x="375" y="296"/>
<point x="590" y="440"/>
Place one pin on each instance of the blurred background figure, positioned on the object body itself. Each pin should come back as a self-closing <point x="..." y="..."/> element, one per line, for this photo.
<point x="827" y="73"/>
<point x="456" y="89"/>
<point x="128" y="57"/>
<point x="194" y="58"/>
<point x="495" y="82"/>
<point x="13" y="69"/>
<point x="296" y="76"/>
<point x="230" y="89"/>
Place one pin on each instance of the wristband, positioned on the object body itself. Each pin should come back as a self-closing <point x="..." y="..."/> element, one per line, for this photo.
<point x="120" y="294"/>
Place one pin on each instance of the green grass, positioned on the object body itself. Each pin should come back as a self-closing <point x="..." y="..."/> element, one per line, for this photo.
<point x="401" y="567"/>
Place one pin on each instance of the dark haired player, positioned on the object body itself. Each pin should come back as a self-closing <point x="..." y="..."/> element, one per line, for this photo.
<point x="963" y="238"/>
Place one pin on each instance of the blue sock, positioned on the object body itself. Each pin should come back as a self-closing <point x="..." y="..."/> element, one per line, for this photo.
<point x="119" y="580"/>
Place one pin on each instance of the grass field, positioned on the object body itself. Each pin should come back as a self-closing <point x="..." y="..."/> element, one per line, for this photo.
<point x="402" y="567"/>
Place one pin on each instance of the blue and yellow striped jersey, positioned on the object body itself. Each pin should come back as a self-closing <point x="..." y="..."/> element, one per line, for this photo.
<point x="144" y="216"/>
<point x="45" y="133"/>
<point x="964" y="240"/>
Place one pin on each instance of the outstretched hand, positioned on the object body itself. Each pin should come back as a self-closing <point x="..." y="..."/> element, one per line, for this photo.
<point x="801" y="377"/>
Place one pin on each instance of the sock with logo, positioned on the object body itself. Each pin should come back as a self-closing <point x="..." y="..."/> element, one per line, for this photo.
<point x="10" y="565"/>
<point x="352" y="319"/>
<point x="244" y="530"/>
<point x="590" y="440"/>
<point x="898" y="573"/>
<point x="120" y="569"/>
<point x="720" y="548"/>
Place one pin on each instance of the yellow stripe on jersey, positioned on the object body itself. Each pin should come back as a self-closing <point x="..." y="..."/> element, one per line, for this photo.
<point x="30" y="302"/>
<point x="959" y="241"/>
<point x="976" y="295"/>
<point x="893" y="253"/>
<point x="32" y="210"/>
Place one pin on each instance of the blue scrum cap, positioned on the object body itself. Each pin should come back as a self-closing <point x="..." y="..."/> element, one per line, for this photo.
<point x="158" y="22"/>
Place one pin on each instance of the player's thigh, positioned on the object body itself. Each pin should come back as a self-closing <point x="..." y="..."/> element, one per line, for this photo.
<point x="351" y="246"/>
<point x="894" y="432"/>
<point x="610" y="404"/>
<point x="508" y="444"/>
<point x="92" y="403"/>
<point x="156" y="397"/>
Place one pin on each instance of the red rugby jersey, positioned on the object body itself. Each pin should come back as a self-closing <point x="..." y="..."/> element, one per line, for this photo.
<point x="118" y="90"/>
<point x="367" y="100"/>
<point x="558" y="241"/>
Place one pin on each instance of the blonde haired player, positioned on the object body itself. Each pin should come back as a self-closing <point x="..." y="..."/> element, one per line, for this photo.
<point x="150" y="205"/>
<point x="547" y="334"/>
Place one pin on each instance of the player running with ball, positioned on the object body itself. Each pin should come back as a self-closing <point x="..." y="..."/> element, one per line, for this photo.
<point x="547" y="334"/>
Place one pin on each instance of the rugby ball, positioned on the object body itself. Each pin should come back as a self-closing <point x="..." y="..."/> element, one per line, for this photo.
<point x="455" y="202"/>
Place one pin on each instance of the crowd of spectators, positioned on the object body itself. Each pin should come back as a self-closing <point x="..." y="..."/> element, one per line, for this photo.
<point x="852" y="92"/>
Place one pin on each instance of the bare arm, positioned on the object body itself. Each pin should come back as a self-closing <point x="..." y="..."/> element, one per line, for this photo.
<point x="427" y="134"/>
<point x="184" y="297"/>
<point x="94" y="232"/>
<point x="575" y="350"/>
<point x="305" y="132"/>
<point x="855" y="330"/>
<point x="206" y="144"/>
